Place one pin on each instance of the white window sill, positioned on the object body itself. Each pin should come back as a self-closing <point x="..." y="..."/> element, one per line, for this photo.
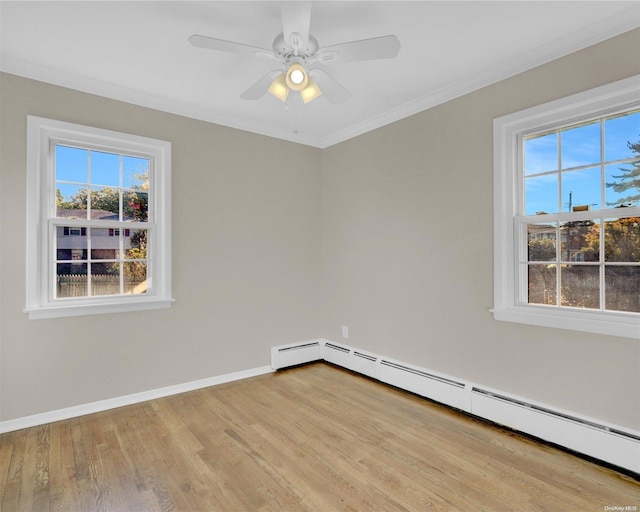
<point x="611" y="324"/>
<point x="76" y="309"/>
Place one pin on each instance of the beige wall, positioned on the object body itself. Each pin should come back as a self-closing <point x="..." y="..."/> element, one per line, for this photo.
<point x="408" y="249"/>
<point x="389" y="233"/>
<point x="245" y="261"/>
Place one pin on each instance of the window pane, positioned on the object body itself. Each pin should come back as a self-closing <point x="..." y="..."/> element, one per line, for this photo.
<point x="104" y="246"/>
<point x="105" y="279"/>
<point x="581" y="190"/>
<point x="71" y="244"/>
<point x="136" y="206"/>
<point x="622" y="239"/>
<point x="541" y="242"/>
<point x="71" y="280"/>
<point x="135" y="173"/>
<point x="541" y="153"/>
<point x="105" y="169"/>
<point x="622" y="184"/>
<point x="619" y="132"/>
<point x="135" y="277"/>
<point x="580" y="286"/>
<point x="71" y="201"/>
<point x="542" y="284"/>
<point x="580" y="241"/>
<point x="135" y="245"/>
<point x="622" y="288"/>
<point x="105" y="203"/>
<point x="580" y="145"/>
<point x="72" y="164"/>
<point x="541" y="194"/>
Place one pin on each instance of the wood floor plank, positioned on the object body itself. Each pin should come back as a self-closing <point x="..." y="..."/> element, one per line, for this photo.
<point x="11" y="491"/>
<point x="6" y="452"/>
<point x="28" y="487"/>
<point x="315" y="438"/>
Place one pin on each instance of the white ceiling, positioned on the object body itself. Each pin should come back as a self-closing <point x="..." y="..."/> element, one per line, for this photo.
<point x="138" y="52"/>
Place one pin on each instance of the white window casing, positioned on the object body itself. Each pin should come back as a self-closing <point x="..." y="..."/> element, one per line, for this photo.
<point x="508" y="132"/>
<point x="41" y="302"/>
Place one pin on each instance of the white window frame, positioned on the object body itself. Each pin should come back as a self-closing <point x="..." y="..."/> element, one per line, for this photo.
<point x="508" y="196"/>
<point x="42" y="135"/>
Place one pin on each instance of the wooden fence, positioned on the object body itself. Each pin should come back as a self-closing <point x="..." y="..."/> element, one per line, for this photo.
<point x="76" y="285"/>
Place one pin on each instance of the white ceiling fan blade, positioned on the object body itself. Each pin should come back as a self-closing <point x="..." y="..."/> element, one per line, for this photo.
<point x="332" y="90"/>
<point x="385" y="47"/>
<point x="296" y="18"/>
<point x="220" y="45"/>
<point x="258" y="90"/>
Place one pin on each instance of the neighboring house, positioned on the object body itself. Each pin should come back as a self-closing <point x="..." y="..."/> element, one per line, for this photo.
<point x="72" y="242"/>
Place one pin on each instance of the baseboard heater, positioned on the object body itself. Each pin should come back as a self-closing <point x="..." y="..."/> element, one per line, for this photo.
<point x="607" y="443"/>
<point x="294" y="354"/>
<point x="427" y="384"/>
<point x="355" y="360"/>
<point x="589" y="437"/>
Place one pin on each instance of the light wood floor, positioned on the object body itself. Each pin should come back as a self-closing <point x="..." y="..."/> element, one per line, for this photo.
<point x="314" y="438"/>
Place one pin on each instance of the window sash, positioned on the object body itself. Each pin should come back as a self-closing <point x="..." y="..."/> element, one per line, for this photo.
<point x="109" y="226"/>
<point x="522" y="260"/>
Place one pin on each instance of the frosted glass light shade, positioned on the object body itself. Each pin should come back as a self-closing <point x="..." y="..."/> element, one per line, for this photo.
<point x="311" y="91"/>
<point x="279" y="87"/>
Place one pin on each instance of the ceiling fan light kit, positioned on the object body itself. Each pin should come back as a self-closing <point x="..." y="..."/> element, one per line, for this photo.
<point x="296" y="49"/>
<point x="296" y="79"/>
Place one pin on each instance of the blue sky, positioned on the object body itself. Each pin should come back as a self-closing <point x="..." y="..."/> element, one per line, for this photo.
<point x="75" y="165"/>
<point x="580" y="150"/>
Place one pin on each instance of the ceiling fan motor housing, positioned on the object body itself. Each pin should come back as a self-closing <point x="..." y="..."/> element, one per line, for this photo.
<point x="289" y="52"/>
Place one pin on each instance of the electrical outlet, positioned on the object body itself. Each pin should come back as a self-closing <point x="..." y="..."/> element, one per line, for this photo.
<point x="345" y="331"/>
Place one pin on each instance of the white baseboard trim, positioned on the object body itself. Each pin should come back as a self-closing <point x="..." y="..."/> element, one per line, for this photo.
<point x="135" y="398"/>
<point x="601" y="440"/>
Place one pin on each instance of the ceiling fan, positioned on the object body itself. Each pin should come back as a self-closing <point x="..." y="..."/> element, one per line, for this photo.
<point x="297" y="50"/>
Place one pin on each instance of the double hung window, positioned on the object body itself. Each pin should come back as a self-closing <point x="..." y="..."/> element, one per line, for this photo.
<point x="567" y="212"/>
<point x="98" y="236"/>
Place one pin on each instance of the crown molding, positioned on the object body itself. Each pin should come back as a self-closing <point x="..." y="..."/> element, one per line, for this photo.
<point x="571" y="43"/>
